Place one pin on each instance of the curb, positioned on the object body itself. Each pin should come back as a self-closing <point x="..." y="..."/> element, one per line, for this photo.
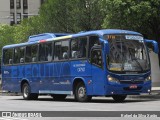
<point x="152" y="95"/>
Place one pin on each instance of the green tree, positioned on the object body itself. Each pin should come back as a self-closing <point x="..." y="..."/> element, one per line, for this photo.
<point x="30" y="26"/>
<point x="6" y="36"/>
<point x="138" y="15"/>
<point x="71" y="15"/>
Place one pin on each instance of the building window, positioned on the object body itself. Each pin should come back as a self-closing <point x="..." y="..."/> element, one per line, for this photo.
<point x="18" y="3"/>
<point x="18" y="18"/>
<point x="12" y="4"/>
<point x="25" y="14"/>
<point x="25" y="4"/>
<point x="12" y="19"/>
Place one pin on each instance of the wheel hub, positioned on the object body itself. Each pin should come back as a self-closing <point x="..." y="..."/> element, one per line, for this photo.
<point x="81" y="92"/>
<point x="25" y="91"/>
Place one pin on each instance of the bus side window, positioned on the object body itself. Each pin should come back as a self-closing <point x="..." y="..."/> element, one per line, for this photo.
<point x="49" y="51"/>
<point x="57" y="51"/>
<point x="34" y="53"/>
<point x="19" y="55"/>
<point x="45" y="52"/>
<point x="96" y="58"/>
<point x="7" y="56"/>
<point x="93" y="41"/>
<point x="61" y="50"/>
<point x="31" y="53"/>
<point x="28" y="54"/>
<point x="65" y="49"/>
<point x="10" y="61"/>
<point x="42" y="52"/>
<point x="79" y="47"/>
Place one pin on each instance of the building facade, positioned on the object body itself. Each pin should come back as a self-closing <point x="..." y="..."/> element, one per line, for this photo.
<point x="13" y="11"/>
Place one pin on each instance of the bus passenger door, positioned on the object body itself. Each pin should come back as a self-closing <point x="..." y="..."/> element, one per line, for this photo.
<point x="98" y="73"/>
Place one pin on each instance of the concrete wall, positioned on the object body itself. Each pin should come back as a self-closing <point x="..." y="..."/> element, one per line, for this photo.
<point x="5" y="11"/>
<point x="33" y="7"/>
<point x="155" y="69"/>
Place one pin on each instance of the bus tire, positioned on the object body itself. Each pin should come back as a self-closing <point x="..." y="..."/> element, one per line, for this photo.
<point x="26" y="92"/>
<point x="59" y="97"/>
<point x="119" y="98"/>
<point x="80" y="93"/>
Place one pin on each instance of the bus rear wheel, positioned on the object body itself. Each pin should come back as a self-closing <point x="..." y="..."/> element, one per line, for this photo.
<point x="58" y="97"/>
<point x="80" y="93"/>
<point x="26" y="92"/>
<point x="119" y="98"/>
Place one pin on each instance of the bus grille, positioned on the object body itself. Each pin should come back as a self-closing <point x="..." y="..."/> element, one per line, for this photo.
<point x="131" y="81"/>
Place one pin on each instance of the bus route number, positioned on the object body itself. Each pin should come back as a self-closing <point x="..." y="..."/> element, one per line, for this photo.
<point x="81" y="69"/>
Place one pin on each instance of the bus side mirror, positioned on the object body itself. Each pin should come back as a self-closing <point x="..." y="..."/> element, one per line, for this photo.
<point x="152" y="44"/>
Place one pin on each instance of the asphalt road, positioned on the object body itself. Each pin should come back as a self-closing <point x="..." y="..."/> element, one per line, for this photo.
<point x="46" y="103"/>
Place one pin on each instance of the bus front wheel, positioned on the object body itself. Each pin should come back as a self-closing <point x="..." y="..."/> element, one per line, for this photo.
<point x="119" y="98"/>
<point x="80" y="93"/>
<point x="26" y="92"/>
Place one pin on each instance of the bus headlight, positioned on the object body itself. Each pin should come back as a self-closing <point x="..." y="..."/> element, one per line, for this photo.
<point x="112" y="79"/>
<point x="148" y="78"/>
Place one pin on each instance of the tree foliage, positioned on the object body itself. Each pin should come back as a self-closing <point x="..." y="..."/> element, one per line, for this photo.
<point x="30" y="26"/>
<point x="138" y="15"/>
<point x="71" y="15"/>
<point x="6" y="35"/>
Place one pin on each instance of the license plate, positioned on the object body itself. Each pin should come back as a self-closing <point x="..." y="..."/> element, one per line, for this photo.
<point x="133" y="87"/>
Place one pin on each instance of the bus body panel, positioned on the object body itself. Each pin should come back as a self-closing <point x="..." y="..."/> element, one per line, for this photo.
<point x="10" y="80"/>
<point x="98" y="79"/>
<point x="81" y="70"/>
<point x="58" y="77"/>
<point x="62" y="79"/>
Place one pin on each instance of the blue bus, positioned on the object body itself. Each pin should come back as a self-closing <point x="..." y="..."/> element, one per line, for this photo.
<point x="110" y="62"/>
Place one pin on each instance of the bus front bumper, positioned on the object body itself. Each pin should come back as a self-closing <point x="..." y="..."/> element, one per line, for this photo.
<point x="128" y="89"/>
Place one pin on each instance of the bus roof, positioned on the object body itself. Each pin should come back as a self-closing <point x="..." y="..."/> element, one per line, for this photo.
<point x="57" y="36"/>
<point x="45" y="36"/>
<point x="105" y="31"/>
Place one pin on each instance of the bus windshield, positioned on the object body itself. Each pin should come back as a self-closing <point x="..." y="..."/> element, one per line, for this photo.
<point x="127" y="53"/>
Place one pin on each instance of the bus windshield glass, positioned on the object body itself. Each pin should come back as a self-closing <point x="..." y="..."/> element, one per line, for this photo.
<point x="127" y="53"/>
